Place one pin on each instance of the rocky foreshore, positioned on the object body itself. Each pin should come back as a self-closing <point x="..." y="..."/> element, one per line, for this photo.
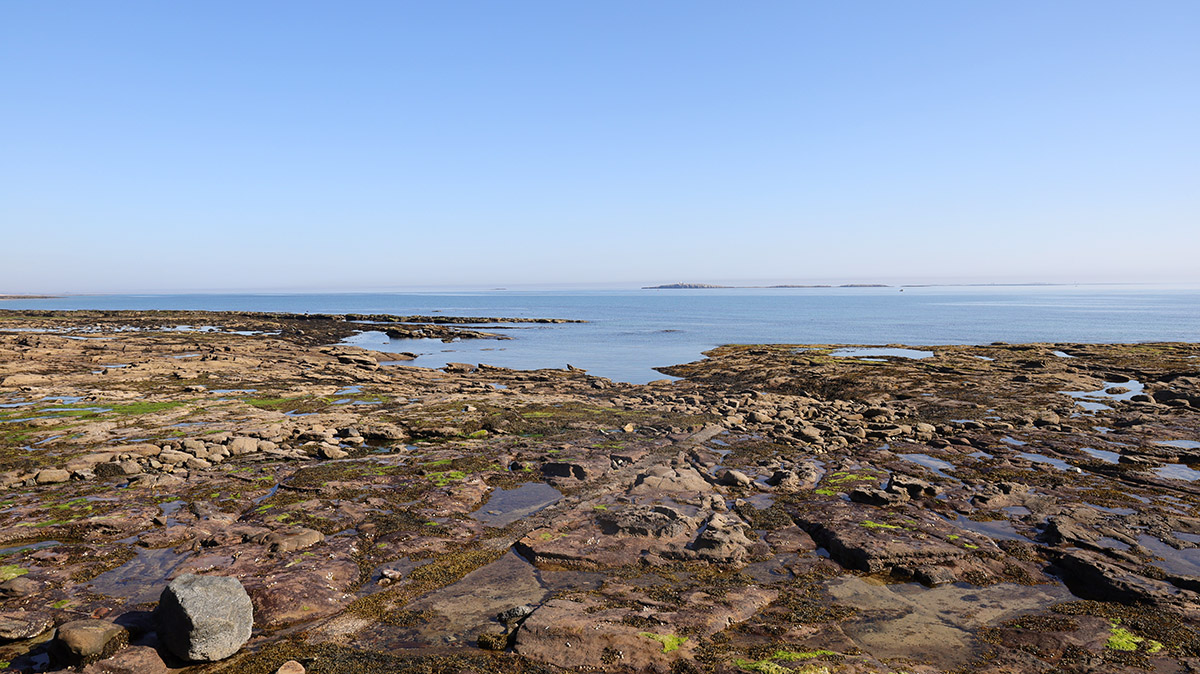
<point x="779" y="509"/>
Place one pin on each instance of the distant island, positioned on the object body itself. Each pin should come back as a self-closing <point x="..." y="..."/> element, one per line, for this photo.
<point x="694" y="286"/>
<point x="28" y="297"/>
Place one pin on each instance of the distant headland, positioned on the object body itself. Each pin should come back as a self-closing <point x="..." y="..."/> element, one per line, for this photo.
<point x="703" y="286"/>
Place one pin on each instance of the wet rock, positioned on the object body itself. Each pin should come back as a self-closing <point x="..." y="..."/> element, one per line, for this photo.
<point x="18" y="625"/>
<point x="1089" y="574"/>
<point x="82" y="642"/>
<point x="204" y="618"/>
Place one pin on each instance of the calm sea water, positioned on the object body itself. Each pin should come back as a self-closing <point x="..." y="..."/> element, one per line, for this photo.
<point x="630" y="332"/>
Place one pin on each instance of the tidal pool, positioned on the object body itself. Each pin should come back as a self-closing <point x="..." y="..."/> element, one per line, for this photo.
<point x="506" y="506"/>
<point x="860" y="352"/>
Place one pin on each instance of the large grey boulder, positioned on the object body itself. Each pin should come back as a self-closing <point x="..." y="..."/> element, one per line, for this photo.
<point x="204" y="618"/>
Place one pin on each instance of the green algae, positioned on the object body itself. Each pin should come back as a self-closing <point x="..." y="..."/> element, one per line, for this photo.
<point x="878" y="525"/>
<point x="766" y="666"/>
<point x="139" y="408"/>
<point x="843" y="476"/>
<point x="1121" y="639"/>
<point x="793" y="656"/>
<point x="10" y="571"/>
<point x="444" y="478"/>
<point x="670" y="642"/>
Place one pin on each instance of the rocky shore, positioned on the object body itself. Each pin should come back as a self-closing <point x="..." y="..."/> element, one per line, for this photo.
<point x="785" y="508"/>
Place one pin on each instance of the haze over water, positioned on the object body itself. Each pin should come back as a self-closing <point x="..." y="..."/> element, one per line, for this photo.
<point x="629" y="332"/>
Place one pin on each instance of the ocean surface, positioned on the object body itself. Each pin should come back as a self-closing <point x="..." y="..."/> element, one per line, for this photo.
<point x="629" y="332"/>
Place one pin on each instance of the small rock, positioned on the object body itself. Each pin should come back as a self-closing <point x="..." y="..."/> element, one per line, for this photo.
<point x="734" y="478"/>
<point x="51" y="476"/>
<point x="82" y="642"/>
<point x="293" y="539"/>
<point x="290" y="667"/>
<point x="915" y="488"/>
<point x="205" y="618"/>
<point x="878" y="497"/>
<point x="493" y="639"/>
<point x="515" y="614"/>
<point x="242" y="445"/>
<point x="331" y="452"/>
<point x="810" y="433"/>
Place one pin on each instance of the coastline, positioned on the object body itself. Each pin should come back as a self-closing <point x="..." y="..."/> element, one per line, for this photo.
<point x="717" y="520"/>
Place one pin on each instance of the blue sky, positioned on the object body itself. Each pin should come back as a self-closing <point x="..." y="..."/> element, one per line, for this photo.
<point x="389" y="145"/>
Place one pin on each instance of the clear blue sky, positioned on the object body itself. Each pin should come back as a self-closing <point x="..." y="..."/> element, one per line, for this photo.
<point x="370" y="145"/>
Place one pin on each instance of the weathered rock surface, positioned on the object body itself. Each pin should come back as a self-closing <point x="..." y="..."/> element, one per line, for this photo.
<point x="204" y="618"/>
<point x="17" y="625"/>
<point x="82" y="642"/>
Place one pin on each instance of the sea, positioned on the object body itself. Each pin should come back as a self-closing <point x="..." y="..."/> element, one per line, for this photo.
<point x="628" y="333"/>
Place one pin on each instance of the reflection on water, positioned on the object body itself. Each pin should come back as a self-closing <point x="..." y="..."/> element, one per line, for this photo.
<point x="936" y="465"/>
<point x="1177" y="471"/>
<point x="626" y="335"/>
<point x="997" y="530"/>
<point x="880" y="352"/>
<point x="937" y="625"/>
<point x="1057" y="463"/>
<point x="140" y="580"/>
<point x="1180" y="444"/>
<point x="1182" y="562"/>
<point x="1102" y="454"/>
<point x="506" y="506"/>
